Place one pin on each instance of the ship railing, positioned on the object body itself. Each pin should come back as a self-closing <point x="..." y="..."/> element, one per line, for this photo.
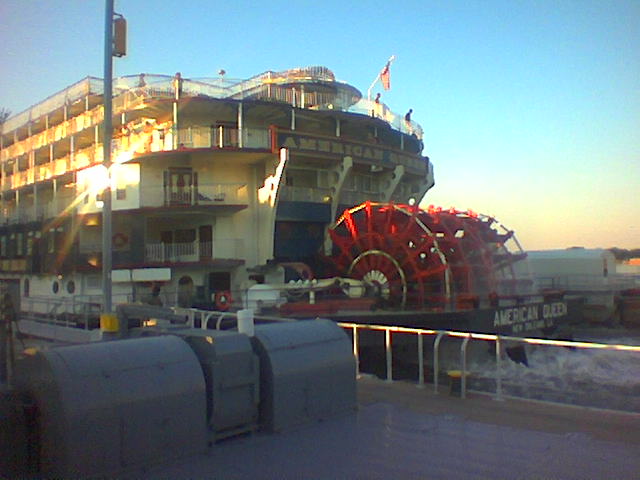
<point x="159" y="138"/>
<point x="13" y="214"/>
<point x="305" y="194"/>
<point x="70" y="94"/>
<point x="73" y="311"/>
<point x="130" y="92"/>
<point x="438" y="335"/>
<point x="583" y="282"/>
<point x="201" y="194"/>
<point x="223" y="136"/>
<point x="381" y="111"/>
<point x="194" y="251"/>
<point x="351" y="197"/>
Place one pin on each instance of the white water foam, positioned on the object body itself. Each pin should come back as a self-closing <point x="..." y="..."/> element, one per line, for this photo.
<point x="590" y="377"/>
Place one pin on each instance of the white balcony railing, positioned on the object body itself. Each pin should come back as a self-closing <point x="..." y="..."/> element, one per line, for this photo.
<point x="203" y="194"/>
<point x="194" y="251"/>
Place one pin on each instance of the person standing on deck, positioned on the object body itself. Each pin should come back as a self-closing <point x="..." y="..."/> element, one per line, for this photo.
<point x="376" y="106"/>
<point x="407" y="120"/>
<point x="177" y="85"/>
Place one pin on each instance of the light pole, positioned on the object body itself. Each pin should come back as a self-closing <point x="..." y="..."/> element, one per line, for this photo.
<point x="107" y="319"/>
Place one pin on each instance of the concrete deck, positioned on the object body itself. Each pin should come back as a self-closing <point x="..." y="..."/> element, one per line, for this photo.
<point x="401" y="431"/>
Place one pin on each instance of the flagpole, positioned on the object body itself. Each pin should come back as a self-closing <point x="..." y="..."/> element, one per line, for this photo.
<point x="388" y="64"/>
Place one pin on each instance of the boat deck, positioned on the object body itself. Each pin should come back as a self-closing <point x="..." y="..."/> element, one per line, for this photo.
<point x="401" y="431"/>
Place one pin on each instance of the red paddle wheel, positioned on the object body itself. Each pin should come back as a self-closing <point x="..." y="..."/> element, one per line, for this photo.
<point x="423" y="259"/>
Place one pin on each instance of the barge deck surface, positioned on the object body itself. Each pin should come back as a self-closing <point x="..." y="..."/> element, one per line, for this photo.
<point x="401" y="431"/>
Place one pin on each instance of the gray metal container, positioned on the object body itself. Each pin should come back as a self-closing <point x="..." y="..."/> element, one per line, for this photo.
<point x="308" y="373"/>
<point x="232" y="374"/>
<point x="114" y="406"/>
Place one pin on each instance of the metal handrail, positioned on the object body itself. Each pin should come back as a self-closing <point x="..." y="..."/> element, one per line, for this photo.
<point x="466" y="336"/>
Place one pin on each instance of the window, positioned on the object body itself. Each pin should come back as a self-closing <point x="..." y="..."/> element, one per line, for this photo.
<point x="55" y="287"/>
<point x="94" y="281"/>
<point x="51" y="242"/>
<point x="302" y="178"/>
<point x="121" y="194"/>
<point x="20" y="244"/>
<point x="323" y="179"/>
<point x="71" y="286"/>
<point x="185" y="236"/>
<point x="30" y="240"/>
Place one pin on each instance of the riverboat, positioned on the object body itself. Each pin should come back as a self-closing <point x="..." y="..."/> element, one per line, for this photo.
<point x="288" y="193"/>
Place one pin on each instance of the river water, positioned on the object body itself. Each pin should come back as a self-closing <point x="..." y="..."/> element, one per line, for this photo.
<point x="588" y="377"/>
<point x="579" y="376"/>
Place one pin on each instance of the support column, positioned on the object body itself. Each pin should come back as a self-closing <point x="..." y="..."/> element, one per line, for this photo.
<point x="268" y="195"/>
<point x="240" y="126"/>
<point x="293" y="118"/>
<point x="175" y="124"/>
<point x="3" y="181"/>
<point x="343" y="171"/>
<point x="53" y="212"/>
<point x="394" y="179"/>
<point x="35" y="201"/>
<point x="72" y="152"/>
<point x="427" y="182"/>
<point x="32" y="166"/>
<point x="337" y="127"/>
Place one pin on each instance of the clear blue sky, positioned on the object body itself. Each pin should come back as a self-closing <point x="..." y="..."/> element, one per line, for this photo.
<point x="531" y="109"/>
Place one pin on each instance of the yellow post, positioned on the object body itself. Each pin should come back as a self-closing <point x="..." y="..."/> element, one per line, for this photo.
<point x="109" y="323"/>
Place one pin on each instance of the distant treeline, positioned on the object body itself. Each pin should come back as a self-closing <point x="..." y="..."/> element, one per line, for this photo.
<point x="624" y="254"/>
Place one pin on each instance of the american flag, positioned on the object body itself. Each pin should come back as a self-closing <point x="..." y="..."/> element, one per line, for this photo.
<point x="385" y="76"/>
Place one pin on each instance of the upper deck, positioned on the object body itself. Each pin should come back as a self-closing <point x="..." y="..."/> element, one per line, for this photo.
<point x="313" y="88"/>
<point x="153" y="113"/>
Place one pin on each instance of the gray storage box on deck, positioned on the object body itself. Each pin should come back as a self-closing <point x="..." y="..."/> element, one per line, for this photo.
<point x="307" y="370"/>
<point x="109" y="407"/>
<point x="231" y="372"/>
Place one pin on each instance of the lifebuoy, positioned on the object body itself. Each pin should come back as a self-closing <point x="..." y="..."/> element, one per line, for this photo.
<point x="120" y="240"/>
<point x="223" y="300"/>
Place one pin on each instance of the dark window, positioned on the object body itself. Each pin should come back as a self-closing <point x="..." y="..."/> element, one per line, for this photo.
<point x="71" y="286"/>
<point x="55" y="287"/>
<point x="185" y="236"/>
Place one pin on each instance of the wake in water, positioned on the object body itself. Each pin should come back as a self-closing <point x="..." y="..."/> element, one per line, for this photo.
<point x="595" y="378"/>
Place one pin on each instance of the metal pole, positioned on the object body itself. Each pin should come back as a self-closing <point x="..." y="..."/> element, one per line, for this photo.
<point x="498" y="369"/>
<point x="106" y="144"/>
<point x="356" y="353"/>
<point x="387" y="344"/>
<point x="420" y="360"/>
<point x="436" y="363"/>
<point x="390" y="61"/>
<point x="463" y="378"/>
